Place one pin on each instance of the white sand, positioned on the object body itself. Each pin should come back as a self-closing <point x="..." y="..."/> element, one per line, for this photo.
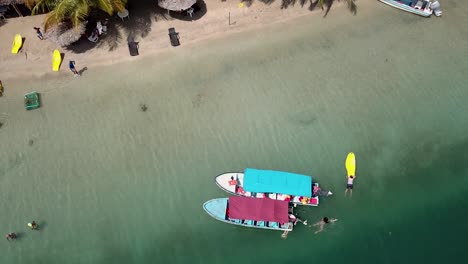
<point x="36" y="55"/>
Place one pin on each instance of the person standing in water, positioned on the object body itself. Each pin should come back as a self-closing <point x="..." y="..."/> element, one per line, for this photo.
<point x="33" y="225"/>
<point x="321" y="224"/>
<point x="349" y="185"/>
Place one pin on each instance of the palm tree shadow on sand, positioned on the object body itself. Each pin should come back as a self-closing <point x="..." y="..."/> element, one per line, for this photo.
<point x="142" y="14"/>
<point x="324" y="4"/>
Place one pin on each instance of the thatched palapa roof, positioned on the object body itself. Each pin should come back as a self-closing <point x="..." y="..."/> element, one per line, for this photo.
<point x="176" y="5"/>
<point x="64" y="34"/>
<point x="11" y="2"/>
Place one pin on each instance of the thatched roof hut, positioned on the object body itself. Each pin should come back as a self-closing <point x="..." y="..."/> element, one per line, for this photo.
<point x="176" y="5"/>
<point x="65" y="34"/>
<point x="13" y="3"/>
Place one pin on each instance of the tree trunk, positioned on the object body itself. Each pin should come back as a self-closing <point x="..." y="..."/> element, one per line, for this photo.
<point x="17" y="10"/>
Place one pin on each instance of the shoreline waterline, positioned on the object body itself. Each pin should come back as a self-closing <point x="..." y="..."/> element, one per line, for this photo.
<point x="109" y="183"/>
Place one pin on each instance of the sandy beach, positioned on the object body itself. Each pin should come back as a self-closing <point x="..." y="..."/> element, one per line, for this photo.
<point x="149" y="26"/>
<point x="109" y="183"/>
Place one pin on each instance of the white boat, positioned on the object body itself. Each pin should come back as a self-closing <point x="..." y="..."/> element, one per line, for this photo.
<point x="423" y="8"/>
<point x="284" y="186"/>
<point x="252" y="212"/>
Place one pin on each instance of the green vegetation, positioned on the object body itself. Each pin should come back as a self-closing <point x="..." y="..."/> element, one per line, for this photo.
<point x="74" y="11"/>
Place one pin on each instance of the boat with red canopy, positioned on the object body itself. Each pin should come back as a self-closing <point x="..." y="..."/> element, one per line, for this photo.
<point x="262" y="213"/>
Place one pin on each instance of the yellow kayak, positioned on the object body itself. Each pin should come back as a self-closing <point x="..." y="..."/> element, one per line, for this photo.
<point x="56" y="60"/>
<point x="351" y="164"/>
<point x="17" y="43"/>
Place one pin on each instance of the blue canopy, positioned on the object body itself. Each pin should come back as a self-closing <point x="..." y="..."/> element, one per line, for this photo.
<point x="277" y="182"/>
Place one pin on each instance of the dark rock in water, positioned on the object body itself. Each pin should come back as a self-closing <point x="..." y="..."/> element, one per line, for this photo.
<point x="386" y="60"/>
<point x="143" y="107"/>
<point x="30" y="142"/>
<point x="1" y="124"/>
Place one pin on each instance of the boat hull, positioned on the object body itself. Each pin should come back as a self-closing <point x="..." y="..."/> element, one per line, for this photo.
<point x="223" y="182"/>
<point x="422" y="12"/>
<point x="216" y="208"/>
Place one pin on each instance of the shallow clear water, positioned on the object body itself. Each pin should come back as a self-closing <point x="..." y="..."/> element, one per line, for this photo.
<point x="111" y="184"/>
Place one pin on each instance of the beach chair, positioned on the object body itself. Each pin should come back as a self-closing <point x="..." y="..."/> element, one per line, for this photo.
<point x="174" y="37"/>
<point x="94" y="37"/>
<point x="133" y="47"/>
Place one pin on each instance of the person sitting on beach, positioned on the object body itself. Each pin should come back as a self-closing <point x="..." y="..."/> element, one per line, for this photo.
<point x="71" y="65"/>
<point x="39" y="33"/>
<point x="11" y="236"/>
<point x="321" y="224"/>
<point x="349" y="185"/>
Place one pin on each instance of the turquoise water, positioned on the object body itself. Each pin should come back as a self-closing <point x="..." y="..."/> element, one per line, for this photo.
<point x="108" y="183"/>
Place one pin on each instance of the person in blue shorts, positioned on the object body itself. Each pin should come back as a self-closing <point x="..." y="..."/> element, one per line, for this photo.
<point x="71" y="65"/>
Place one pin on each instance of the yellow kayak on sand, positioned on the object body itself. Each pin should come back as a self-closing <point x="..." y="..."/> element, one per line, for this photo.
<point x="351" y="164"/>
<point x="17" y="43"/>
<point x="56" y="60"/>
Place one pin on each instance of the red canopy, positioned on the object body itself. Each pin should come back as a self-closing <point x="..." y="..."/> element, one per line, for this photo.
<point x="258" y="209"/>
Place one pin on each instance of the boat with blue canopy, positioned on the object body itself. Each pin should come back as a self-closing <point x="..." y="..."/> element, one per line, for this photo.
<point x="276" y="185"/>
<point x="252" y="212"/>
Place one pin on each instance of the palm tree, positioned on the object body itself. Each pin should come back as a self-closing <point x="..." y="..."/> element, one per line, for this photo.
<point x="74" y="11"/>
<point x="328" y="3"/>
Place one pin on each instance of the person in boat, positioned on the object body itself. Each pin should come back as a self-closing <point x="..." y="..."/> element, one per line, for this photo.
<point x="321" y="224"/>
<point x="33" y="225"/>
<point x="304" y="200"/>
<point x="11" y="236"/>
<point x="233" y="181"/>
<point x="349" y="185"/>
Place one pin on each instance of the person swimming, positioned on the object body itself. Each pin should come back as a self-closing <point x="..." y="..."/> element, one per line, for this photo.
<point x="295" y="219"/>
<point x="321" y="224"/>
<point x="11" y="236"/>
<point x="349" y="185"/>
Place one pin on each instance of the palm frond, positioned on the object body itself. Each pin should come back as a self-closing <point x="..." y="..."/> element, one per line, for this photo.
<point x="30" y="3"/>
<point x="118" y="5"/>
<point x="321" y="3"/>
<point x="50" y="20"/>
<point x="41" y="6"/>
<point x="352" y="6"/>
<point x="104" y="5"/>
